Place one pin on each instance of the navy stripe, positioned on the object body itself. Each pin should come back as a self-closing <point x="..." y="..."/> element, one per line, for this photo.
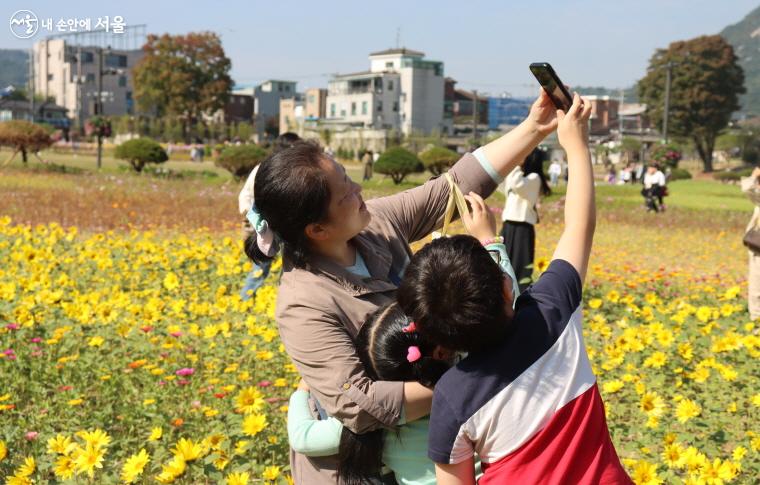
<point x="542" y="313"/>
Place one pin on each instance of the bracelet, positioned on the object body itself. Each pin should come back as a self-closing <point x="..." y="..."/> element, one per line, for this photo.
<point x="493" y="240"/>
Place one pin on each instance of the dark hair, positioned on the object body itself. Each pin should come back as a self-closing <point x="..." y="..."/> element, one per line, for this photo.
<point x="285" y="140"/>
<point x="291" y="191"/>
<point x="453" y="290"/>
<point x="383" y="346"/>
<point x="534" y="163"/>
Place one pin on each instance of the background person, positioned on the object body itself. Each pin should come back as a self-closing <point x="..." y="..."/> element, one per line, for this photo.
<point x="751" y="186"/>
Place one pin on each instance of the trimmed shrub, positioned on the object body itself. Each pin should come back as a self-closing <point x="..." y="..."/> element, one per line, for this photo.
<point x="667" y="155"/>
<point x="398" y="163"/>
<point x="240" y="160"/>
<point x="24" y="136"/>
<point x="141" y="151"/>
<point x="679" y="174"/>
<point x="438" y="159"/>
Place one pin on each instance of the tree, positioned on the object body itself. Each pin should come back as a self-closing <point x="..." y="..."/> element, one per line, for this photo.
<point x="23" y="136"/>
<point x="183" y="76"/>
<point x="398" y="163"/>
<point x="239" y="160"/>
<point x="438" y="159"/>
<point x="706" y="82"/>
<point x="141" y="151"/>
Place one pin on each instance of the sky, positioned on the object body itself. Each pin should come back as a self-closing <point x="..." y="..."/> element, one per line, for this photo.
<point x="485" y="45"/>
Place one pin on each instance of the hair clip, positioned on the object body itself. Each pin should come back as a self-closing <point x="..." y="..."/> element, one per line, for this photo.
<point x="411" y="328"/>
<point x="413" y="354"/>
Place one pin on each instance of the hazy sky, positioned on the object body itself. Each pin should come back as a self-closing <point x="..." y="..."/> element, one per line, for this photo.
<point x="486" y="45"/>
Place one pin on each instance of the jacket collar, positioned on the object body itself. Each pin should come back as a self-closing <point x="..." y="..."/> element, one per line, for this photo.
<point x="377" y="259"/>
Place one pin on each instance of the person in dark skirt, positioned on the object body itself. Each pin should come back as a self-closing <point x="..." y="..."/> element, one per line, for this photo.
<point x="523" y="187"/>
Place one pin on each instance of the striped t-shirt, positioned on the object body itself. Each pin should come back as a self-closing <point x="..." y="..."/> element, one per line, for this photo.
<point x="529" y="407"/>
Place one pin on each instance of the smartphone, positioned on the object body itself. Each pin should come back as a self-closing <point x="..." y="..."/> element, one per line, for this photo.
<point x="549" y="80"/>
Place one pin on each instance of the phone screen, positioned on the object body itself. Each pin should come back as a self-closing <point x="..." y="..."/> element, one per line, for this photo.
<point x="549" y="80"/>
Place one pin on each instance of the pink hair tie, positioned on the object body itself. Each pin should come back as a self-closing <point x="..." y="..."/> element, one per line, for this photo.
<point x="413" y="354"/>
<point x="411" y="328"/>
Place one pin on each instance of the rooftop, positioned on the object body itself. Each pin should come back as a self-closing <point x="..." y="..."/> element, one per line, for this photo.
<point x="403" y="51"/>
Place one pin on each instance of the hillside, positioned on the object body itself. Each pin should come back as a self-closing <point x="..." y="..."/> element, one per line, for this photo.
<point x="745" y="38"/>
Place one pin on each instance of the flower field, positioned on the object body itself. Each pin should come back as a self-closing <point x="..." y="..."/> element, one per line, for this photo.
<point x="128" y="357"/>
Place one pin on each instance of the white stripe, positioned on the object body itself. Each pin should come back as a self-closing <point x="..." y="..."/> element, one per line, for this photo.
<point x="528" y="403"/>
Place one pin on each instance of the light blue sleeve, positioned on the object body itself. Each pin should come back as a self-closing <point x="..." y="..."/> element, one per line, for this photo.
<point x="506" y="267"/>
<point x="480" y="154"/>
<point x="309" y="436"/>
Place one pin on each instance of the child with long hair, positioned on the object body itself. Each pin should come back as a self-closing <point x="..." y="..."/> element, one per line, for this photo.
<point x="390" y="349"/>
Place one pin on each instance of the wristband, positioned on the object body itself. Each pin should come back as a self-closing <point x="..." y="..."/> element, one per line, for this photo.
<point x="493" y="240"/>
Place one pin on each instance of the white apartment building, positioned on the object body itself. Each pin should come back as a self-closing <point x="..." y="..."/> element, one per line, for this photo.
<point x="69" y="74"/>
<point x="400" y="91"/>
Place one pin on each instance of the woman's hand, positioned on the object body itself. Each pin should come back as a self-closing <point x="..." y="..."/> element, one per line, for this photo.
<point x="756" y="173"/>
<point x="480" y="223"/>
<point x="573" y="125"/>
<point x="543" y="114"/>
<point x="302" y="386"/>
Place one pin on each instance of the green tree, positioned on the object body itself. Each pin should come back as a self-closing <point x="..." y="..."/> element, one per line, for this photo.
<point x="706" y="83"/>
<point x="239" y="160"/>
<point x="398" y="163"/>
<point x="183" y="76"/>
<point x="141" y="151"/>
<point x="438" y="159"/>
<point x="25" y="137"/>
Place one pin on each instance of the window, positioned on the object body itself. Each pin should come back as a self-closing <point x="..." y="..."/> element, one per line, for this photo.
<point x="311" y="99"/>
<point x="395" y="106"/>
<point x="89" y="77"/>
<point x="122" y="81"/>
<point x="364" y="107"/>
<point x="279" y="87"/>
<point x="88" y="57"/>
<point x="332" y="110"/>
<point x="389" y="64"/>
<point x="343" y="113"/>
<point x="115" y="60"/>
<point x="50" y="77"/>
<point x="353" y="109"/>
<point x="379" y="105"/>
<point x="390" y="85"/>
<point x="287" y="88"/>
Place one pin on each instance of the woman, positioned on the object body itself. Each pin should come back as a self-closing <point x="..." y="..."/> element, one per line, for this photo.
<point x="751" y="187"/>
<point x="523" y="187"/>
<point x="344" y="258"/>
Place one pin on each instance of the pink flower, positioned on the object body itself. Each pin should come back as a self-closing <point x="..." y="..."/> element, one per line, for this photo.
<point x="183" y="382"/>
<point x="185" y="371"/>
<point x="36" y="340"/>
<point x="264" y="384"/>
<point x="31" y="435"/>
<point x="176" y="334"/>
<point x="13" y="326"/>
<point x="195" y="404"/>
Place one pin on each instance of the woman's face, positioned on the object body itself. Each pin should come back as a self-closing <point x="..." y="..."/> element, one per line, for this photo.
<point x="347" y="215"/>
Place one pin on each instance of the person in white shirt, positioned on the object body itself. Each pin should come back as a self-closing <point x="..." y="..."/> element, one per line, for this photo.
<point x="255" y="279"/>
<point x="523" y="187"/>
<point x="555" y="170"/>
<point x="654" y="188"/>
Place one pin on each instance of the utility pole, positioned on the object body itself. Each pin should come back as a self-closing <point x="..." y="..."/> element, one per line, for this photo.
<point x="669" y="67"/>
<point x="31" y="83"/>
<point x="475" y="116"/>
<point x="620" y="107"/>
<point x="99" y="103"/>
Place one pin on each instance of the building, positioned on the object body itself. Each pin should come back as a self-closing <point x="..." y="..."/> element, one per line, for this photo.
<point x="239" y="109"/>
<point x="69" y="74"/>
<point x="401" y="91"/>
<point x="604" y="114"/>
<point x="46" y="112"/>
<point x="505" y="111"/>
<point x="266" y="104"/>
<point x="633" y="117"/>
<point x="315" y="103"/>
<point x="302" y="110"/>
